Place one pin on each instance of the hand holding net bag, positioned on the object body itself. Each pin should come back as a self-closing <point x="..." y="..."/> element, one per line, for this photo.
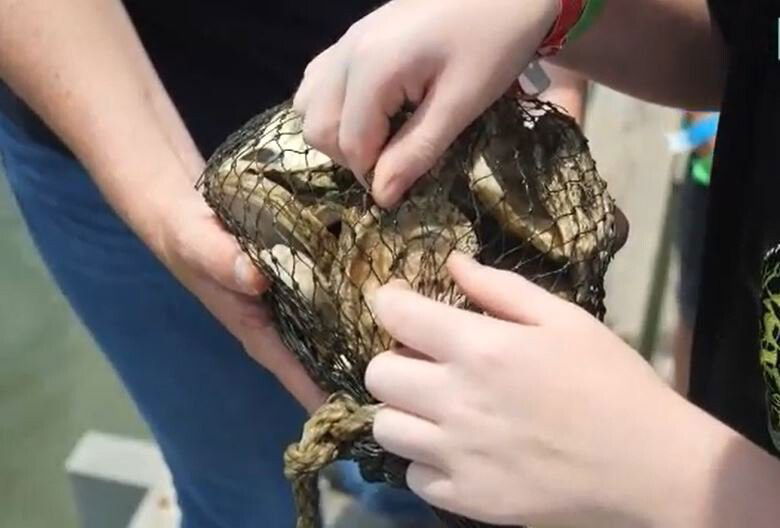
<point x="518" y="190"/>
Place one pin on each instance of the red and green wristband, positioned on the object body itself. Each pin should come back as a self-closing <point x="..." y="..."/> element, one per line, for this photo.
<point x="574" y="19"/>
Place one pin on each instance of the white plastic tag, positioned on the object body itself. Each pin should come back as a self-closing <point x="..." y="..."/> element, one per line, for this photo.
<point x="534" y="79"/>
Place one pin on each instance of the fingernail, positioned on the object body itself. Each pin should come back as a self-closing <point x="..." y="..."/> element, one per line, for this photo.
<point x="245" y="274"/>
<point x="384" y="193"/>
<point x="361" y="178"/>
<point x="399" y="283"/>
<point x="463" y="259"/>
<point x="372" y="296"/>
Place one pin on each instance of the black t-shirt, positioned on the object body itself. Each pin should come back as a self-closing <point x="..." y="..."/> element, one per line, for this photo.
<point x="735" y="371"/>
<point x="224" y="61"/>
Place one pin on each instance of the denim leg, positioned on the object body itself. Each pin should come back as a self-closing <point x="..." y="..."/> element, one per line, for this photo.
<point x="400" y="505"/>
<point x="221" y="421"/>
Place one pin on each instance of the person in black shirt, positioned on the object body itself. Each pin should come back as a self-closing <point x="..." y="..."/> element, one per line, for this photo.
<point x="537" y="414"/>
<point x="691" y="211"/>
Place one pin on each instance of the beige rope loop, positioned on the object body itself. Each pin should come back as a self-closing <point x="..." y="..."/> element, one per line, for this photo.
<point x="340" y="421"/>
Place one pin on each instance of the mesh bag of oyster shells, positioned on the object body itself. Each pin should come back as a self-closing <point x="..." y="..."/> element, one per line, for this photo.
<point x="518" y="190"/>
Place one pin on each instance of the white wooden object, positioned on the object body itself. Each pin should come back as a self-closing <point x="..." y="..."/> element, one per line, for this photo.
<point x="121" y="483"/>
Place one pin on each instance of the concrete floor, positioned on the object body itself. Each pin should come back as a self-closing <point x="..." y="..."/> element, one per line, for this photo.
<point x="54" y="385"/>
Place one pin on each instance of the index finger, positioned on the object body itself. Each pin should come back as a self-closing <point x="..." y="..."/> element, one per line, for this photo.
<point x="365" y="121"/>
<point x="437" y="330"/>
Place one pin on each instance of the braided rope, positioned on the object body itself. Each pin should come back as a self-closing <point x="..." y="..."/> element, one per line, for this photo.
<point x="335" y="426"/>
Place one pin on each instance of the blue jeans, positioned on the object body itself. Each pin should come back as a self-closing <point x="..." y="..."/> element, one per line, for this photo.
<point x="221" y="420"/>
<point x="381" y="499"/>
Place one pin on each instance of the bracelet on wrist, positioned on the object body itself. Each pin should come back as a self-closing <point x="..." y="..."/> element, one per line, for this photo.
<point x="568" y="16"/>
<point x="574" y="19"/>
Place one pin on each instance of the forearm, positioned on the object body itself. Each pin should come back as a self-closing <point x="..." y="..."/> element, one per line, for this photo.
<point x="665" y="51"/>
<point x="708" y="476"/>
<point x="567" y="89"/>
<point x="81" y="67"/>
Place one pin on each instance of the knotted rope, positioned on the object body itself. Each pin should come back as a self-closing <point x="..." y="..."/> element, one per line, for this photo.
<point x="334" y="427"/>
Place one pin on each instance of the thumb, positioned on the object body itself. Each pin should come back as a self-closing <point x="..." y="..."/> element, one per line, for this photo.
<point x="251" y="323"/>
<point x="448" y="108"/>
<point x="263" y="344"/>
<point x="506" y="295"/>
<point x="208" y="249"/>
<point x="294" y="378"/>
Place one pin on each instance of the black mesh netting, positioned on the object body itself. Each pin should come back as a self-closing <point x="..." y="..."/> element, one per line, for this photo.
<point x="518" y="190"/>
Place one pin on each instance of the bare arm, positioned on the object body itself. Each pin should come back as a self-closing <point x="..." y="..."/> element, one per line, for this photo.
<point x="567" y="90"/>
<point x="80" y="65"/>
<point x="666" y="51"/>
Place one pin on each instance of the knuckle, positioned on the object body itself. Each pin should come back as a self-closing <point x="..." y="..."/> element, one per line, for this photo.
<point x="299" y="102"/>
<point x="419" y="155"/>
<point x="351" y="146"/>
<point x="311" y="68"/>
<point x="426" y="147"/>
<point x="458" y="415"/>
<point x="384" y="70"/>
<point x="364" y="50"/>
<point x="319" y="61"/>
<point x="403" y="66"/>
<point x="355" y="151"/>
<point x="357" y="33"/>
<point x="490" y="354"/>
<point x="321" y="134"/>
